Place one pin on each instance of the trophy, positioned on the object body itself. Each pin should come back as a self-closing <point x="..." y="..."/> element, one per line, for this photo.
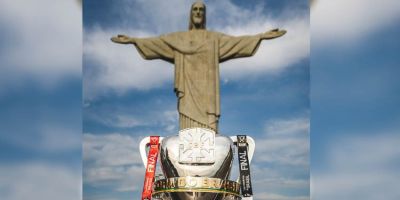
<point x="197" y="162"/>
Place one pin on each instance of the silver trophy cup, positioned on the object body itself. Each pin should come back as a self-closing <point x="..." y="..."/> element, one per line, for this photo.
<point x="196" y="165"/>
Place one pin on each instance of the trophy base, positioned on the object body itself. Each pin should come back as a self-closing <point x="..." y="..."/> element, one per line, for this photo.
<point x="194" y="196"/>
<point x="192" y="168"/>
<point x="196" y="188"/>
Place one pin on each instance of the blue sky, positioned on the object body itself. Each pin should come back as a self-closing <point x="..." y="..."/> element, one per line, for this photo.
<point x="354" y="95"/>
<point x="127" y="98"/>
<point x="40" y="100"/>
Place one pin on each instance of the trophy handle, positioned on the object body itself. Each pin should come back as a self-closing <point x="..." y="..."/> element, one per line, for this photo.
<point x="251" y="146"/>
<point x="142" y="147"/>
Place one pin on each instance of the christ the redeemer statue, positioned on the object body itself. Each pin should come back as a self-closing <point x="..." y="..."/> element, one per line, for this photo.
<point x="196" y="54"/>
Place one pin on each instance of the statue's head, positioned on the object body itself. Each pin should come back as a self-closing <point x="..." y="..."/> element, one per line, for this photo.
<point x="197" y="16"/>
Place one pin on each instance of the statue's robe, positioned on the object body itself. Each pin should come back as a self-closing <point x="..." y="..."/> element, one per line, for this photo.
<point x="196" y="55"/>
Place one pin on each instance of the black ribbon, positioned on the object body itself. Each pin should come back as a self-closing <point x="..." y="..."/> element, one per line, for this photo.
<point x="244" y="166"/>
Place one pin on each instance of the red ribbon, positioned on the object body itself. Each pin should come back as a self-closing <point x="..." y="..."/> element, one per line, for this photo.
<point x="150" y="168"/>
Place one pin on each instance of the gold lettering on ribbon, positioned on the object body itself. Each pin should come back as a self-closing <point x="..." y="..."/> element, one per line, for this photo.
<point x="191" y="182"/>
<point x="205" y="183"/>
<point x="218" y="183"/>
<point x="194" y="183"/>
<point x="181" y="182"/>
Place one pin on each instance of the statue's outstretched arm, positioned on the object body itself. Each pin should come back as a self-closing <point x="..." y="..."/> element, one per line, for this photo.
<point x="123" y="39"/>
<point x="274" y="33"/>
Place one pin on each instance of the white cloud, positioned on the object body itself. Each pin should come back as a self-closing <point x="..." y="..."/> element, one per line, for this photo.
<point x="111" y="149"/>
<point x="265" y="178"/>
<point x="341" y="21"/>
<point x="39" y="181"/>
<point x="170" y="121"/>
<point x="286" y="142"/>
<point x="360" y="167"/>
<point x="288" y="127"/>
<point x="161" y="117"/>
<point x="112" y="160"/>
<point x="42" y="41"/>
<point x="120" y="68"/>
<point x="281" y="160"/>
<point x="45" y="136"/>
<point x="117" y="120"/>
<point x="126" y="121"/>
<point x="155" y="15"/>
<point x="59" y="138"/>
<point x="273" y="55"/>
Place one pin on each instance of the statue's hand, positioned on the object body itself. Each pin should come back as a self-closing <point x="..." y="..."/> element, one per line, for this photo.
<point x="274" y="33"/>
<point x="122" y="39"/>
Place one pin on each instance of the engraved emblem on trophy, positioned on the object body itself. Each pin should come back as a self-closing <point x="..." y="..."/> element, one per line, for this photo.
<point x="197" y="147"/>
<point x="197" y="162"/>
